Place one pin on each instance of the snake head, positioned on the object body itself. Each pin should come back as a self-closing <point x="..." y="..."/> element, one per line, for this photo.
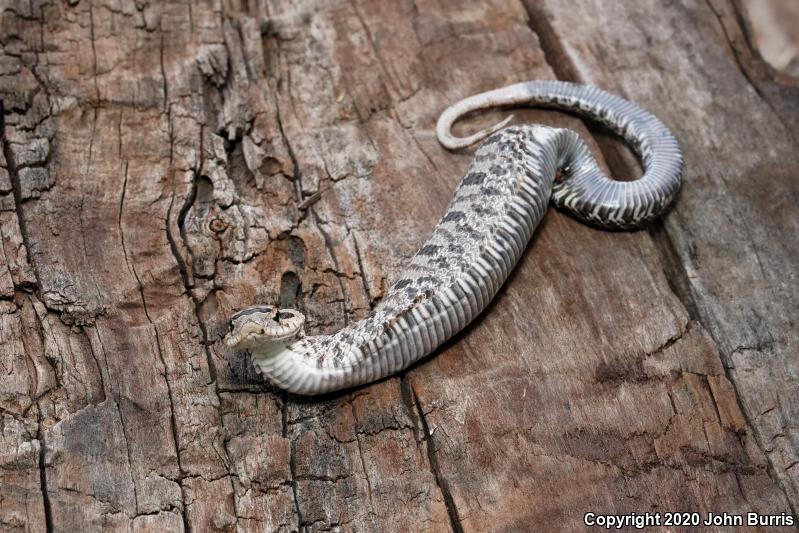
<point x="263" y="324"/>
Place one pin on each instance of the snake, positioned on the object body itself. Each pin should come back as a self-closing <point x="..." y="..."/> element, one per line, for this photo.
<point x="513" y="176"/>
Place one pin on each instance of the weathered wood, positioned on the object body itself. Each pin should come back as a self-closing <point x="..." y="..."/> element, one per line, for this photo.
<point x="734" y="230"/>
<point x="166" y="164"/>
<point x="774" y="27"/>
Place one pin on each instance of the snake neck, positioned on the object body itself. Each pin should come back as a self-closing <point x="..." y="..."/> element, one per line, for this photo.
<point x="271" y="350"/>
<point x="305" y="366"/>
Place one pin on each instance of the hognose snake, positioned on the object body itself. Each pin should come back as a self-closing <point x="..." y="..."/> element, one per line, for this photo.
<point x="487" y="225"/>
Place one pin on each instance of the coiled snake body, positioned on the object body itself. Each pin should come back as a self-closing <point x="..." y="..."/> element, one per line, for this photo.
<point x="487" y="225"/>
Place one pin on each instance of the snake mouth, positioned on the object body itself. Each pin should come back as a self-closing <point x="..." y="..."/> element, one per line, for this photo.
<point x="235" y="340"/>
<point x="240" y="340"/>
<point x="264" y="324"/>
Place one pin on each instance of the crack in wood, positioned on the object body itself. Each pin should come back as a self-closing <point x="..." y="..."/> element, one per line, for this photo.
<point x="292" y="466"/>
<point x="753" y="74"/>
<point x="441" y="482"/>
<point x="48" y="508"/>
<point x="17" y="195"/>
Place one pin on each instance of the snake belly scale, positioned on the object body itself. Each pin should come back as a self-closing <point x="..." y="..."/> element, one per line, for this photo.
<point x="493" y="213"/>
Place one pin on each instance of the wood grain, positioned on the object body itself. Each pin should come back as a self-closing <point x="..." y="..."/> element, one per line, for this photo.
<point x="165" y="164"/>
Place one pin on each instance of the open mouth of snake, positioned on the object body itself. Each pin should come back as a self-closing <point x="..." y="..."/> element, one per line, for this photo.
<point x="234" y="340"/>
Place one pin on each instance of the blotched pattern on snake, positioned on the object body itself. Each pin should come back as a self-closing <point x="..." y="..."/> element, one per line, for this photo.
<point x="492" y="215"/>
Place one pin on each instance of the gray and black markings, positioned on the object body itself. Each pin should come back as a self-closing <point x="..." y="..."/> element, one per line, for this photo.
<point x="493" y="213"/>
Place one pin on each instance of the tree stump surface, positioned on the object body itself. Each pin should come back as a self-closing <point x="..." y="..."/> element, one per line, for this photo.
<point x="165" y="164"/>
